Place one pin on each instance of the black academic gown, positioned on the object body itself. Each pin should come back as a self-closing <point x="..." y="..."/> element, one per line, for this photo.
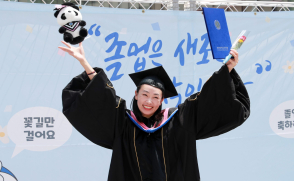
<point x="95" y="110"/>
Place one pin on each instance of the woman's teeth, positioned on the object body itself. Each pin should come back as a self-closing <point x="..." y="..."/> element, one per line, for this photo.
<point x="147" y="107"/>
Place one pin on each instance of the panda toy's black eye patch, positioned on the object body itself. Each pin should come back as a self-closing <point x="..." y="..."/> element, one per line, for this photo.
<point x="76" y="13"/>
<point x="63" y="16"/>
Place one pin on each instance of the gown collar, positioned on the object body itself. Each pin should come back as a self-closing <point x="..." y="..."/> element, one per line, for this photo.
<point x="145" y="128"/>
<point x="72" y="26"/>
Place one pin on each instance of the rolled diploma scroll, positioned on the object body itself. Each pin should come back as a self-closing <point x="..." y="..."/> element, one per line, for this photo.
<point x="238" y="43"/>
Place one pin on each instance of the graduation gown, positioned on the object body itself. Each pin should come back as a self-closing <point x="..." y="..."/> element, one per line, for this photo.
<point x="95" y="110"/>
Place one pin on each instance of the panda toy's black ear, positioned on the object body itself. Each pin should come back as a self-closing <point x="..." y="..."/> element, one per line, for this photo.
<point x="56" y="13"/>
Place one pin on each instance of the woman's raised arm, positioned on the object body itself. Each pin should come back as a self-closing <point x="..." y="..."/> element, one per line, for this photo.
<point x="222" y="105"/>
<point x="90" y="102"/>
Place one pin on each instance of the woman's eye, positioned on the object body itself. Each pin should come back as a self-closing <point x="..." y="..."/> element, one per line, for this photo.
<point x="144" y="95"/>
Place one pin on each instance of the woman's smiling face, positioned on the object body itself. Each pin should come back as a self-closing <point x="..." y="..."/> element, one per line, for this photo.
<point x="149" y="99"/>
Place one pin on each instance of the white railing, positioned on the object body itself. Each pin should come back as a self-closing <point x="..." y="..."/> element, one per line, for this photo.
<point x="231" y="5"/>
<point x="189" y="5"/>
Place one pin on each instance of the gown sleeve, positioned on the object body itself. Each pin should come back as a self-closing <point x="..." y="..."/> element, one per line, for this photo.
<point x="222" y="105"/>
<point x="90" y="106"/>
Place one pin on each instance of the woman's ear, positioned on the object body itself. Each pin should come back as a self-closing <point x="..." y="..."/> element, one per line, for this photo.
<point x="136" y="95"/>
<point x="161" y="100"/>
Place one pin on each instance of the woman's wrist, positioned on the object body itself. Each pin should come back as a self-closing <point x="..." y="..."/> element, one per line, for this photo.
<point x="229" y="68"/>
<point x="83" y="62"/>
<point x="89" y="70"/>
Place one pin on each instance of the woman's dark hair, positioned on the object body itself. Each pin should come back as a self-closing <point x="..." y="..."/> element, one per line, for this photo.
<point x="157" y="115"/>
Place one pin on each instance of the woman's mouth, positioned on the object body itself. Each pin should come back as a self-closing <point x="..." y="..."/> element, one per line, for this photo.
<point x="147" y="107"/>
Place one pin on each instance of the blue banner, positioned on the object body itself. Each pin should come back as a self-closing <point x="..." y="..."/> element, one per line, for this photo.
<point x="38" y="143"/>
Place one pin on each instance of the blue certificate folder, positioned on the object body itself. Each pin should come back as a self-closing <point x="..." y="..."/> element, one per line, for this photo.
<point x="218" y="32"/>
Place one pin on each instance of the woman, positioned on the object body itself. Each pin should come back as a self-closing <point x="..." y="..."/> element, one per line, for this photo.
<point x="147" y="143"/>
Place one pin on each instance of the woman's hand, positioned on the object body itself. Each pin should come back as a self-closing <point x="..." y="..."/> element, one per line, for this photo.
<point x="77" y="52"/>
<point x="233" y="62"/>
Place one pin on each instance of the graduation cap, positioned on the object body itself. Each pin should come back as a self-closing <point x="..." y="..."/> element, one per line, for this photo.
<point x="156" y="77"/>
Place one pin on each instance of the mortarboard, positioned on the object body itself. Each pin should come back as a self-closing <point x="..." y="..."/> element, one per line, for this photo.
<point x="156" y="77"/>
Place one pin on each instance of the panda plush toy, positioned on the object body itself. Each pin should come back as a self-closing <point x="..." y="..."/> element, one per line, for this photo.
<point x="72" y="26"/>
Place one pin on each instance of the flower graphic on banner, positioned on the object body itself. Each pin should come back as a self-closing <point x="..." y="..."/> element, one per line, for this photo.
<point x="3" y="135"/>
<point x="289" y="67"/>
